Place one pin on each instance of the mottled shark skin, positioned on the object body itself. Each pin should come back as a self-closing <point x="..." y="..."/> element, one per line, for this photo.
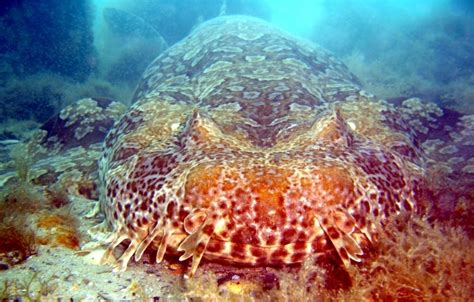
<point x="245" y="145"/>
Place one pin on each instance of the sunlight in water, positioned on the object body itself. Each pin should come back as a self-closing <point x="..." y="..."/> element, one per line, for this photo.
<point x="301" y="17"/>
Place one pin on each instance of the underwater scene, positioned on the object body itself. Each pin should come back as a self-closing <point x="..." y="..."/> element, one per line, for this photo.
<point x="237" y="150"/>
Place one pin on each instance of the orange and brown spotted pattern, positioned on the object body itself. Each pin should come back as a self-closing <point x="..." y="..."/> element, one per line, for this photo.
<point x="247" y="146"/>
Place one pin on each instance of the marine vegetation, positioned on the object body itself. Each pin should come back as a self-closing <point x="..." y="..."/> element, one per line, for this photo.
<point x="17" y="244"/>
<point x="32" y="289"/>
<point x="17" y="239"/>
<point x="414" y="262"/>
<point x="31" y="216"/>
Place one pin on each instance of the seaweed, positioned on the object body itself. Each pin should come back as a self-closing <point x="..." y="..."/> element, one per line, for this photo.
<point x="22" y="160"/>
<point x="412" y="260"/>
<point x="17" y="201"/>
<point x="57" y="196"/>
<point x="22" y="203"/>
<point x="60" y="229"/>
<point x="206" y="287"/>
<point x="138" y="292"/>
<point x="17" y="244"/>
<point x="422" y="262"/>
<point x="32" y="289"/>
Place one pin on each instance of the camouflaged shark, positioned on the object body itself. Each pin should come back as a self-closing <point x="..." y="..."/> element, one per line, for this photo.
<point x="245" y="145"/>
